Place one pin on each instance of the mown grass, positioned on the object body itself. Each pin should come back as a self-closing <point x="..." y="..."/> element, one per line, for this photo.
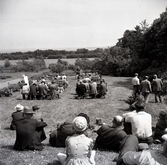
<point x="57" y="111"/>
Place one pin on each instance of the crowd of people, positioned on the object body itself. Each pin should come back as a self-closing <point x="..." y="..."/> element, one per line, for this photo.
<point x="91" y="86"/>
<point x="130" y="135"/>
<point x="49" y="88"/>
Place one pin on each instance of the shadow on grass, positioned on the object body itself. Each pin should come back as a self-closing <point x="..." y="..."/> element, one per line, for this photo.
<point x="9" y="147"/>
<point x="126" y="83"/>
<point x="55" y="162"/>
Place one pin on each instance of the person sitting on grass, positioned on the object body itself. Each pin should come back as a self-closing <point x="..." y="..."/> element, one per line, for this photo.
<point x="17" y="115"/>
<point x="139" y="123"/>
<point x="111" y="137"/>
<point x="161" y="125"/>
<point x="58" y="136"/>
<point x="26" y="135"/>
<point x="78" y="146"/>
<point x="38" y="116"/>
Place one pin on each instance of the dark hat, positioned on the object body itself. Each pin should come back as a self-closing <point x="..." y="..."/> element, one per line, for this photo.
<point x="85" y="116"/>
<point x="35" y="107"/>
<point x="162" y="115"/>
<point x="140" y="105"/>
<point x="28" y="110"/>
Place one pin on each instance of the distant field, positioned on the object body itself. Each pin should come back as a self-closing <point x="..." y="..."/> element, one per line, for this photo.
<point x="47" y="61"/>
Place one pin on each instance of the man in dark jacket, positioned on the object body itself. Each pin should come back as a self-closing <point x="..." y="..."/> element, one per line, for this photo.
<point x="17" y="115"/>
<point x="111" y="137"/>
<point x="26" y="135"/>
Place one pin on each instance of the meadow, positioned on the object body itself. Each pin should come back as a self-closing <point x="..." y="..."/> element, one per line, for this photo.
<point x="57" y="111"/>
<point x="47" y="61"/>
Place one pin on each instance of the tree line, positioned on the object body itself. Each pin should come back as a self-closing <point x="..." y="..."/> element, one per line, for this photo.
<point x="142" y="50"/>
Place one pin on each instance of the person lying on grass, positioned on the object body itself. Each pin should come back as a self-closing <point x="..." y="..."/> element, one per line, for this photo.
<point x="78" y="146"/>
<point x="146" y="156"/>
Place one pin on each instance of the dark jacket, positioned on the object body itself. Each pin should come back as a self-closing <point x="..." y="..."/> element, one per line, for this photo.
<point x="109" y="138"/>
<point x="26" y="135"/>
<point x="15" y="116"/>
<point x="58" y="137"/>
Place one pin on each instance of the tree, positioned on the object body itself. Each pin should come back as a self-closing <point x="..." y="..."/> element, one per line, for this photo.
<point x="7" y="63"/>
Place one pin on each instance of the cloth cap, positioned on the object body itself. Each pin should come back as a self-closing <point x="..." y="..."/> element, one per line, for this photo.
<point x="35" y="107"/>
<point x="143" y="146"/>
<point x="28" y="110"/>
<point x="19" y="107"/>
<point x="162" y="115"/>
<point x="80" y="124"/>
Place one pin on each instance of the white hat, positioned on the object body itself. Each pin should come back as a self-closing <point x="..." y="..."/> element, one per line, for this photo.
<point x="19" y="107"/>
<point x="164" y="137"/>
<point x="80" y="124"/>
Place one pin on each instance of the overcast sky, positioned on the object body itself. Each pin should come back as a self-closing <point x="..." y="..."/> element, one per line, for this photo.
<point x="59" y="24"/>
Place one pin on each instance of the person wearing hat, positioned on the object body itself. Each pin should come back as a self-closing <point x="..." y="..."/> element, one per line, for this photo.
<point x="17" y="115"/>
<point x="78" y="146"/>
<point x="161" y="125"/>
<point x="145" y="88"/>
<point x="65" y="129"/>
<point x="27" y="136"/>
<point x="111" y="137"/>
<point x="139" y="123"/>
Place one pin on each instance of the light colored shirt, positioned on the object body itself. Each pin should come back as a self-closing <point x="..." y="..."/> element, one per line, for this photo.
<point x="141" y="124"/>
<point x="135" y="81"/>
<point x="145" y="157"/>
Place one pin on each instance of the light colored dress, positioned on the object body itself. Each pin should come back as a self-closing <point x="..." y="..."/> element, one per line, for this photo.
<point x="78" y="149"/>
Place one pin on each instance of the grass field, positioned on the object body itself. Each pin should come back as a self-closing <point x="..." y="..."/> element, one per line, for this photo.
<point x="57" y="111"/>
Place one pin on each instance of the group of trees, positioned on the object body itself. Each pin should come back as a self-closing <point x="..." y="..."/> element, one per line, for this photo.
<point x="141" y="50"/>
<point x="52" y="54"/>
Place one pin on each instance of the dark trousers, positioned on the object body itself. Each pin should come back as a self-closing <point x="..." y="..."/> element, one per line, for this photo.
<point x="158" y="95"/>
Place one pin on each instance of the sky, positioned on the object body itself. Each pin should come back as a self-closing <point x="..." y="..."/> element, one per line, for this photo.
<point x="66" y="24"/>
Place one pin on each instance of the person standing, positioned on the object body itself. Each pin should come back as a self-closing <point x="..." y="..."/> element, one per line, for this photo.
<point x="136" y="84"/>
<point x="157" y="88"/>
<point x="145" y="88"/>
<point x="26" y="135"/>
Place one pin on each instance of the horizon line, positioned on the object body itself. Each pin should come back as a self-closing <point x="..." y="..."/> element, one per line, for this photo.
<point x="63" y="48"/>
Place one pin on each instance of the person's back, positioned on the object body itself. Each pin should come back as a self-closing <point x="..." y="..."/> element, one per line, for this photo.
<point x="145" y="86"/>
<point x="110" y="137"/>
<point x="16" y="116"/>
<point x="141" y="124"/>
<point x="26" y="135"/>
<point x="157" y="85"/>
